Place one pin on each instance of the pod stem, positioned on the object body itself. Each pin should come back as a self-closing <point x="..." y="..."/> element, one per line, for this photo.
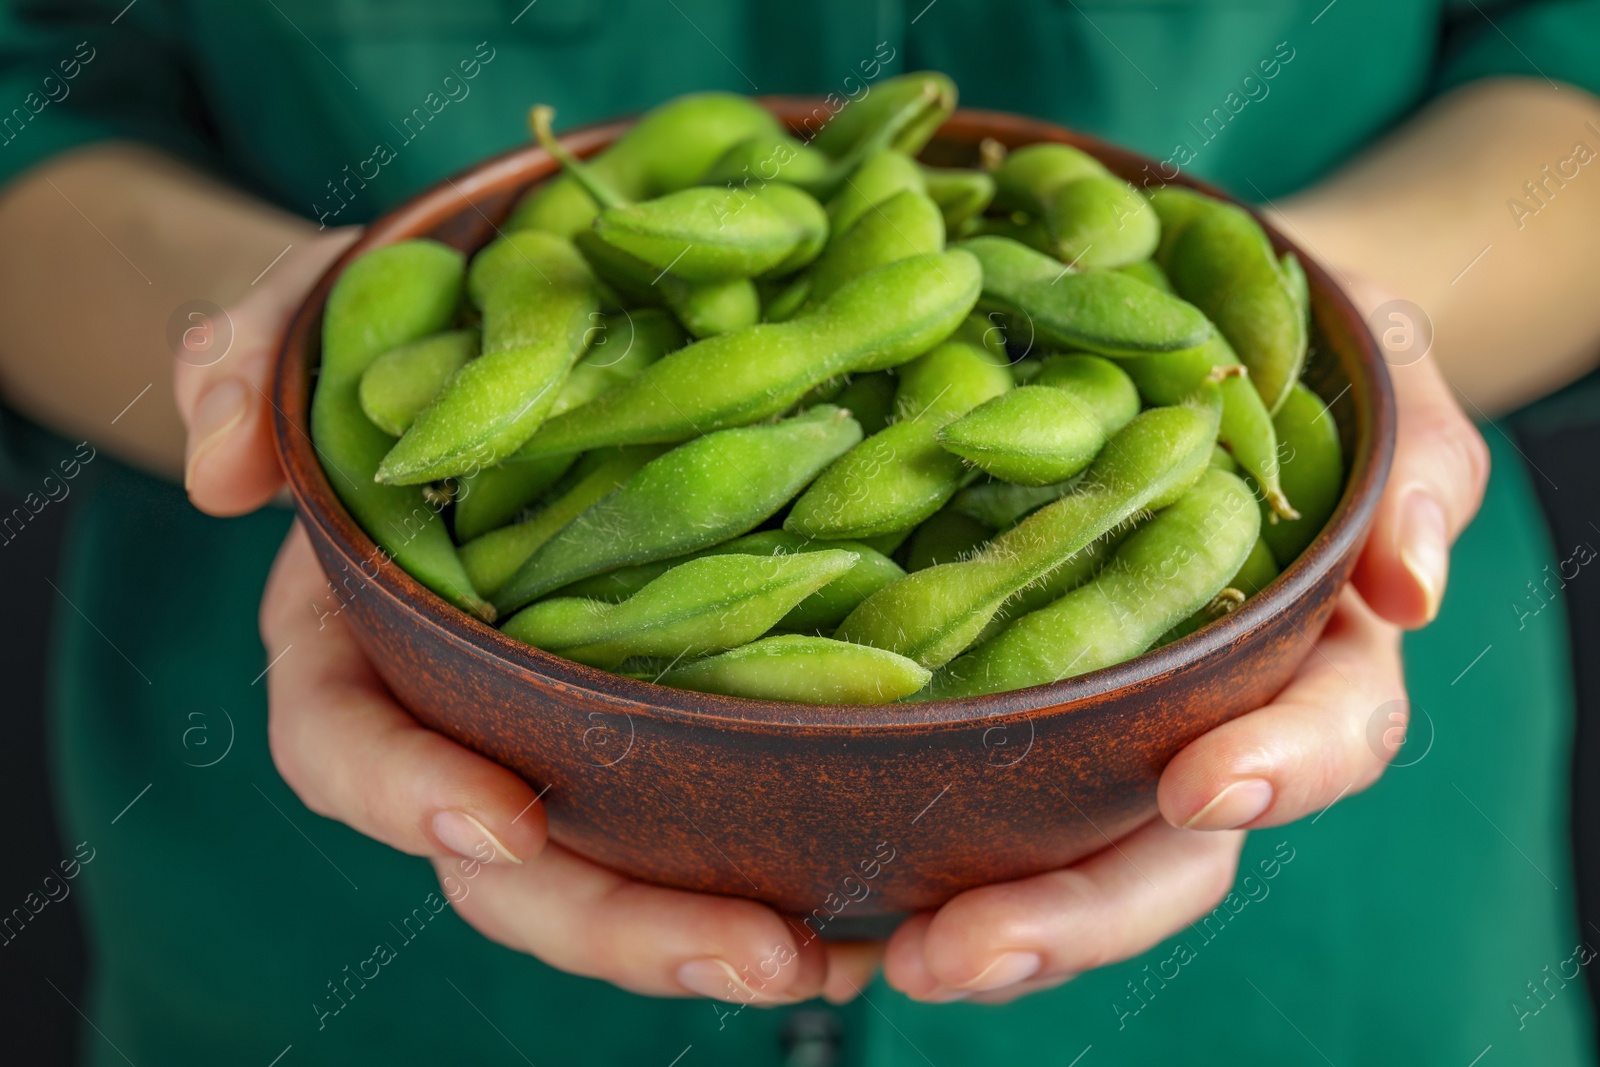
<point x="842" y="168"/>
<point x="539" y="119"/>
<point x="1281" y="508"/>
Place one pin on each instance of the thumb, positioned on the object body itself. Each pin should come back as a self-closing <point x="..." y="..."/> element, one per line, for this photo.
<point x="222" y="383"/>
<point x="1436" y="484"/>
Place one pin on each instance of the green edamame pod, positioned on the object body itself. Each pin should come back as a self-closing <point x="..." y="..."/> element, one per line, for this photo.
<point x="946" y="538"/>
<point x="1246" y="431"/>
<point x="705" y="605"/>
<point x="704" y="308"/>
<point x="1047" y="432"/>
<point x="668" y="149"/>
<point x="870" y="398"/>
<point x="1001" y="505"/>
<point x="713" y="488"/>
<point x="823" y="609"/>
<point x="785" y="301"/>
<point x="1064" y="579"/>
<point x="879" y="320"/>
<point x="623" y="346"/>
<point x="389" y="297"/>
<point x="1101" y="221"/>
<point x="492" y="558"/>
<point x="1223" y="263"/>
<point x="537" y="317"/>
<point x="716" y="234"/>
<point x="950" y="380"/>
<point x="1258" y="569"/>
<point x="962" y="195"/>
<point x="1161" y="574"/>
<point x="858" y="120"/>
<point x="808" y="670"/>
<point x="875" y="181"/>
<point x="1106" y="312"/>
<point x="1176" y="207"/>
<point x="1027" y="177"/>
<point x="1222" y="461"/>
<point x="933" y="615"/>
<point x="907" y="224"/>
<point x="900" y="476"/>
<point x="403" y="381"/>
<point x="1149" y="272"/>
<point x="1312" y="470"/>
<point x="1299" y="285"/>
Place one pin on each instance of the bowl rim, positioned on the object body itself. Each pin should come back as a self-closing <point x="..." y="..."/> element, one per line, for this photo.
<point x="518" y="168"/>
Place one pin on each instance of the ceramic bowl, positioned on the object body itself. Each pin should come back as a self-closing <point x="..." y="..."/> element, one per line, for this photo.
<point x="845" y="816"/>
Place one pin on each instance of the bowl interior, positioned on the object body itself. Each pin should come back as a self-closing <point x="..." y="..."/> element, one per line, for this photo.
<point x="466" y="211"/>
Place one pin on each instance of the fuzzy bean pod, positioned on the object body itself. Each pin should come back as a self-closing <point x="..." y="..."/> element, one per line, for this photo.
<point x="1313" y="471"/>
<point x="857" y="121"/>
<point x="935" y="614"/>
<point x="879" y="320"/>
<point x="1160" y="575"/>
<point x="389" y="297"/>
<point x="808" y="670"/>
<point x="709" y="490"/>
<point x="702" y="606"/>
<point x="718" y="234"/>
<point x="907" y="224"/>
<point x="404" y="380"/>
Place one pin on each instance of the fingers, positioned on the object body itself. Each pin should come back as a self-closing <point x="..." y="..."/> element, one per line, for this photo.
<point x="229" y="464"/>
<point x="1436" y="484"/>
<point x="586" y="920"/>
<point x="1312" y="745"/>
<point x="851" y="965"/>
<point x="351" y="753"/>
<point x="1001" y="941"/>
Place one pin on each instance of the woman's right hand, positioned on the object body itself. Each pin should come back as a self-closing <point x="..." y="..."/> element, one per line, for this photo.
<point x="351" y="753"/>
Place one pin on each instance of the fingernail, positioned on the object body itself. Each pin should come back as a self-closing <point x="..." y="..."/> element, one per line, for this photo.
<point x="469" y="838"/>
<point x="1234" y="806"/>
<point x="219" y="410"/>
<point x="1425" y="546"/>
<point x="946" y="996"/>
<point x="718" y="980"/>
<point x="1008" y="968"/>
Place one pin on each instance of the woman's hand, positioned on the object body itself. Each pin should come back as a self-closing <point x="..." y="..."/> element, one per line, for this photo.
<point x="1292" y="758"/>
<point x="351" y="753"/>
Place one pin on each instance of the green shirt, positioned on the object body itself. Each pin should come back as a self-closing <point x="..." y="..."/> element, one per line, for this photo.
<point x="1420" y="922"/>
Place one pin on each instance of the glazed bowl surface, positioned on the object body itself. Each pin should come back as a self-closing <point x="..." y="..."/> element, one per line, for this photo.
<point x="845" y="816"/>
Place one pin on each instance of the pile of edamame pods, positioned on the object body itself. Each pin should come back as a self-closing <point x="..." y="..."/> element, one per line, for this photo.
<point x="809" y="420"/>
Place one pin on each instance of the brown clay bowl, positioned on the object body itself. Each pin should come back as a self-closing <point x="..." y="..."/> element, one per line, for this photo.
<point x="847" y="816"/>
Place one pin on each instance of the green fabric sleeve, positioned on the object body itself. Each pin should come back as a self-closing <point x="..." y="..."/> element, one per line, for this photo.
<point x="70" y="76"/>
<point x="1548" y="39"/>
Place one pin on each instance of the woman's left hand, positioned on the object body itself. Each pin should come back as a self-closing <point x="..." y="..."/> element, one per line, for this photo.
<point x="1292" y="758"/>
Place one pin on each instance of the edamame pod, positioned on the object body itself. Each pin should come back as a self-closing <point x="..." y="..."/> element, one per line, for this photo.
<point x="1047" y="432"/>
<point x="495" y="556"/>
<point x="716" y="234"/>
<point x="668" y="149"/>
<point x="1258" y="569"/>
<point x="623" y="346"/>
<point x="1149" y="272"/>
<point x="857" y="120"/>
<point x="705" y="605"/>
<point x="933" y="615"/>
<point x="900" y="476"/>
<point x="808" y="670"/>
<point x="883" y="318"/>
<point x="1299" y="285"/>
<point x="907" y="224"/>
<point x="1312" y="470"/>
<point x="537" y="316"/>
<point x="404" y="380"/>
<point x="962" y="195"/>
<point x="875" y="181"/>
<point x="824" y="609"/>
<point x="388" y="297"/>
<point x="1223" y="263"/>
<point x="713" y="488"/>
<point x="1106" y="312"/>
<point x="1027" y="176"/>
<point x="1161" y="574"/>
<point x="1246" y="431"/>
